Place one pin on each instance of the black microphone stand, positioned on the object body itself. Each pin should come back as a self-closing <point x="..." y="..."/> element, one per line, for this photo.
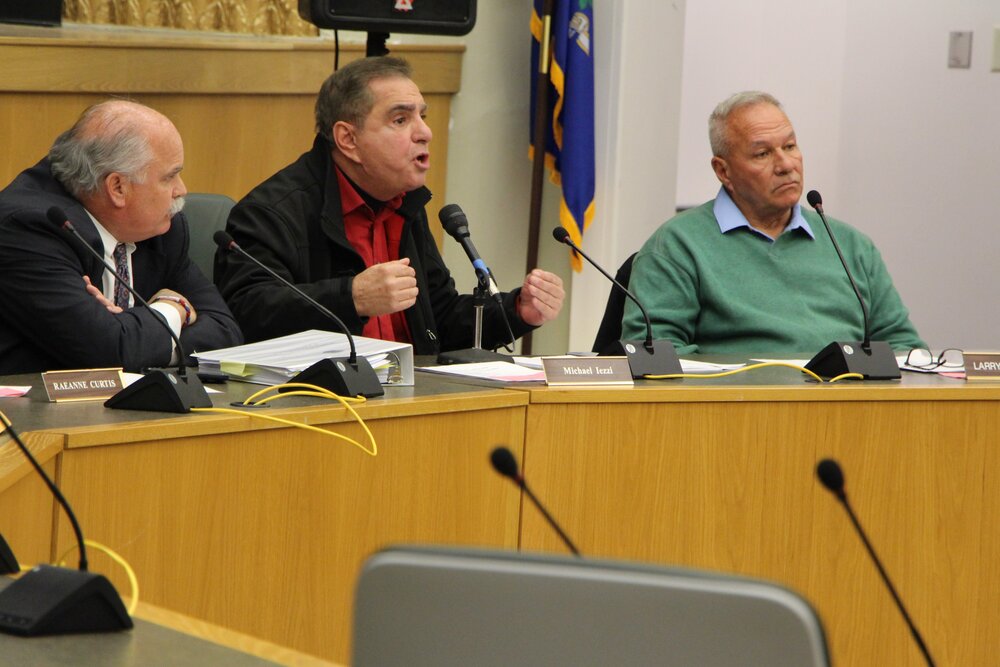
<point x="158" y="390"/>
<point x="645" y="357"/>
<point x="353" y="376"/>
<point x="476" y="353"/>
<point x="873" y="360"/>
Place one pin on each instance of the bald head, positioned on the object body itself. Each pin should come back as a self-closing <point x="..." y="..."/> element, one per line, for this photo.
<point x="123" y="161"/>
<point x="110" y="137"/>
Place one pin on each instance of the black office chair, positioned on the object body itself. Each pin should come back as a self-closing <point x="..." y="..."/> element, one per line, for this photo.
<point x="610" y="330"/>
<point x="446" y="607"/>
<point x="206" y="214"/>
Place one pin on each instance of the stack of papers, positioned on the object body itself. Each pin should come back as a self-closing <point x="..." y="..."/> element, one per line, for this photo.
<point x="277" y="360"/>
<point x="498" y="371"/>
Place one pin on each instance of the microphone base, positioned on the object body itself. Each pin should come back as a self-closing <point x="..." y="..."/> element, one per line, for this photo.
<point x="663" y="360"/>
<point x="838" y="358"/>
<point x="8" y="562"/>
<point x="57" y="601"/>
<point x="472" y="355"/>
<point x="342" y="377"/>
<point x="162" y="391"/>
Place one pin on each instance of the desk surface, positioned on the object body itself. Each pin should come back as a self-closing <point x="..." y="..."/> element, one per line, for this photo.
<point x="709" y="473"/>
<point x="34" y="412"/>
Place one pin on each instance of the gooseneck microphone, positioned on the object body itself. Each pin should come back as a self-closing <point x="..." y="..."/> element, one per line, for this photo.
<point x="648" y="358"/>
<point x="52" y="600"/>
<point x="832" y="477"/>
<point x="872" y="360"/>
<point x="158" y="390"/>
<point x="816" y="201"/>
<point x="455" y="223"/>
<point x="504" y="463"/>
<point x="353" y="376"/>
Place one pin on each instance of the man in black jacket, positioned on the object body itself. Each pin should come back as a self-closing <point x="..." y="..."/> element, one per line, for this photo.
<point x="116" y="176"/>
<point x="346" y="223"/>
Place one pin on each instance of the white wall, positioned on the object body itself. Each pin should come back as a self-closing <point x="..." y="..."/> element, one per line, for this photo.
<point x="900" y="146"/>
<point x="638" y="79"/>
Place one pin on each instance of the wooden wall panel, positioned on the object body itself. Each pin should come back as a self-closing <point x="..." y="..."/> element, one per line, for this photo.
<point x="26" y="504"/>
<point x="244" y="106"/>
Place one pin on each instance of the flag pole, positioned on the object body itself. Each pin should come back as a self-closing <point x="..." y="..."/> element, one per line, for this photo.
<point x="538" y="141"/>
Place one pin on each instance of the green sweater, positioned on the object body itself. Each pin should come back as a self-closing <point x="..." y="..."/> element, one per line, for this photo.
<point x="739" y="292"/>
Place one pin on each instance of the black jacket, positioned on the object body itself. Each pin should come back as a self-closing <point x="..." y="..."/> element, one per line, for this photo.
<point x="48" y="320"/>
<point x="293" y="223"/>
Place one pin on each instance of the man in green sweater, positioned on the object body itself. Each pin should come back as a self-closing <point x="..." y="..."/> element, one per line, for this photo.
<point x="751" y="271"/>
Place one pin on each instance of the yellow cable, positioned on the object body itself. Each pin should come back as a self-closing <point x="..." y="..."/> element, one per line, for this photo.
<point x="133" y="581"/>
<point x="326" y="392"/>
<point x="847" y="376"/>
<point x="313" y="391"/>
<point x="750" y="368"/>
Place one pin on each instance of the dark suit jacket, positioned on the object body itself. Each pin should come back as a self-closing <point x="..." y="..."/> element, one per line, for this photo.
<point x="48" y="321"/>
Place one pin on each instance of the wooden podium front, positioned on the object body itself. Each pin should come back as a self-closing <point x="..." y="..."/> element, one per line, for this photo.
<point x="263" y="528"/>
<point x="718" y="475"/>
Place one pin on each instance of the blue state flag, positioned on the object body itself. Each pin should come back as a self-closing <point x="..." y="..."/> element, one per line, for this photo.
<point x="569" y="139"/>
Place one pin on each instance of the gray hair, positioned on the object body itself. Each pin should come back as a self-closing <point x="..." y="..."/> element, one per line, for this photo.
<point x="717" y="136"/>
<point x="345" y="95"/>
<point x="105" y="139"/>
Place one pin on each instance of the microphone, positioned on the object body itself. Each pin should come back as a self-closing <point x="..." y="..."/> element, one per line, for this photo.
<point x="646" y="358"/>
<point x="158" y="390"/>
<point x="52" y="600"/>
<point x="353" y="376"/>
<point x="872" y="360"/>
<point x="454" y="222"/>
<point x="832" y="477"/>
<point x="504" y="463"/>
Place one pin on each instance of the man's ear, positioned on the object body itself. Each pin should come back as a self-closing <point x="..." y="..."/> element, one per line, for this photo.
<point x="721" y="170"/>
<point x="345" y="140"/>
<point x="117" y="187"/>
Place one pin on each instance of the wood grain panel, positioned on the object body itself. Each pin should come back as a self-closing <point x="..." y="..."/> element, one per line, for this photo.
<point x="26" y="505"/>
<point x="730" y="486"/>
<point x="244" y="107"/>
<point x="265" y="531"/>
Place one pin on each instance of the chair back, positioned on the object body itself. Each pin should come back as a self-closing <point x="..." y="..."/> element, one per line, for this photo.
<point x="449" y="607"/>
<point x="206" y="214"/>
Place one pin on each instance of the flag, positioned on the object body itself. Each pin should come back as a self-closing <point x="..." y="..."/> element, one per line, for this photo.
<point x="569" y="142"/>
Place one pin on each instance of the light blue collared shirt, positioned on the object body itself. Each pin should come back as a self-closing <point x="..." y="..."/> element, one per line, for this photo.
<point x="730" y="217"/>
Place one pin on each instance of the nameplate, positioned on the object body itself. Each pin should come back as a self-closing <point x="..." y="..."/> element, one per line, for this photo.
<point x="566" y="371"/>
<point x="94" y="384"/>
<point x="982" y="365"/>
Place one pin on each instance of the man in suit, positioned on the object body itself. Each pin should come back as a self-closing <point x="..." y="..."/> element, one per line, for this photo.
<point x="346" y="222"/>
<point x="116" y="176"/>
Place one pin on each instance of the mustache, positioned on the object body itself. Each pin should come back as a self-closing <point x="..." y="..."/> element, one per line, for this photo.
<point x="176" y="206"/>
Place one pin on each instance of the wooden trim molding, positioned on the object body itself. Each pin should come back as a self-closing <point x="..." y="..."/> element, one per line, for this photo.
<point x="77" y="59"/>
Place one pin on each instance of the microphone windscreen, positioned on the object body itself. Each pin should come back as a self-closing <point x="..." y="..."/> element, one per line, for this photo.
<point x="831" y="475"/>
<point x="560" y="234"/>
<point x="452" y="219"/>
<point x="504" y="462"/>
<point x="222" y="239"/>
<point x="56" y="216"/>
<point x="814" y="198"/>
